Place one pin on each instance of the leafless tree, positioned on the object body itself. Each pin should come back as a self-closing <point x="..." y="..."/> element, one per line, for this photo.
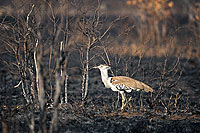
<point x="90" y="26"/>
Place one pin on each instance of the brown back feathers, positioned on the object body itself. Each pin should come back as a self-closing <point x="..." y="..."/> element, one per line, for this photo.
<point x="131" y="83"/>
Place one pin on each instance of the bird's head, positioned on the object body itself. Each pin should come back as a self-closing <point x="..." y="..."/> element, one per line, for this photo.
<point x="103" y="67"/>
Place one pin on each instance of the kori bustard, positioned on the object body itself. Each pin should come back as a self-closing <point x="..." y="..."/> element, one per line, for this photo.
<point x="121" y="84"/>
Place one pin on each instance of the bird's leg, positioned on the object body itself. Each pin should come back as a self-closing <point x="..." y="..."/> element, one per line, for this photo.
<point x="123" y="100"/>
<point x="129" y="103"/>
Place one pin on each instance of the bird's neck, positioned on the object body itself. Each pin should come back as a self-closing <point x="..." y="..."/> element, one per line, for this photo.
<point x="104" y="74"/>
<point x="105" y="78"/>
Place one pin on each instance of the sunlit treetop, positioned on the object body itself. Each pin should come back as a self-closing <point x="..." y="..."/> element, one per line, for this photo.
<point x="160" y="8"/>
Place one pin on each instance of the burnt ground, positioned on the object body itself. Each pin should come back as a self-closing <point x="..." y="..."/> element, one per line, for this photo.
<point x="100" y="114"/>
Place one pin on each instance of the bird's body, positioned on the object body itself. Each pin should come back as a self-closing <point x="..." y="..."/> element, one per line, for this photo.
<point x="122" y="84"/>
<point x="128" y="84"/>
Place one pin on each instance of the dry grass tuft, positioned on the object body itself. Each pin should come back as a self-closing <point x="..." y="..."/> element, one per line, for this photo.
<point x="186" y="51"/>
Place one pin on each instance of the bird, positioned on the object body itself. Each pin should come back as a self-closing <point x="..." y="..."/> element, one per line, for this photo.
<point x="121" y="84"/>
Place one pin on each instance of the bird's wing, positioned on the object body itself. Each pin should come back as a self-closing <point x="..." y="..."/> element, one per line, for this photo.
<point x="130" y="83"/>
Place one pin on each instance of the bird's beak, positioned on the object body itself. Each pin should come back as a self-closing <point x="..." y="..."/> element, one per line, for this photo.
<point x="95" y="67"/>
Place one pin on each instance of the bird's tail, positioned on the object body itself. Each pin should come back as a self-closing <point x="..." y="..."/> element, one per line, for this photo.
<point x="148" y="89"/>
<point x="144" y="87"/>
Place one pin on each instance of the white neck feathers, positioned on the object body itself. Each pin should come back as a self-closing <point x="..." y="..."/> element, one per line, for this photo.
<point x="104" y="74"/>
<point x="105" y="78"/>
